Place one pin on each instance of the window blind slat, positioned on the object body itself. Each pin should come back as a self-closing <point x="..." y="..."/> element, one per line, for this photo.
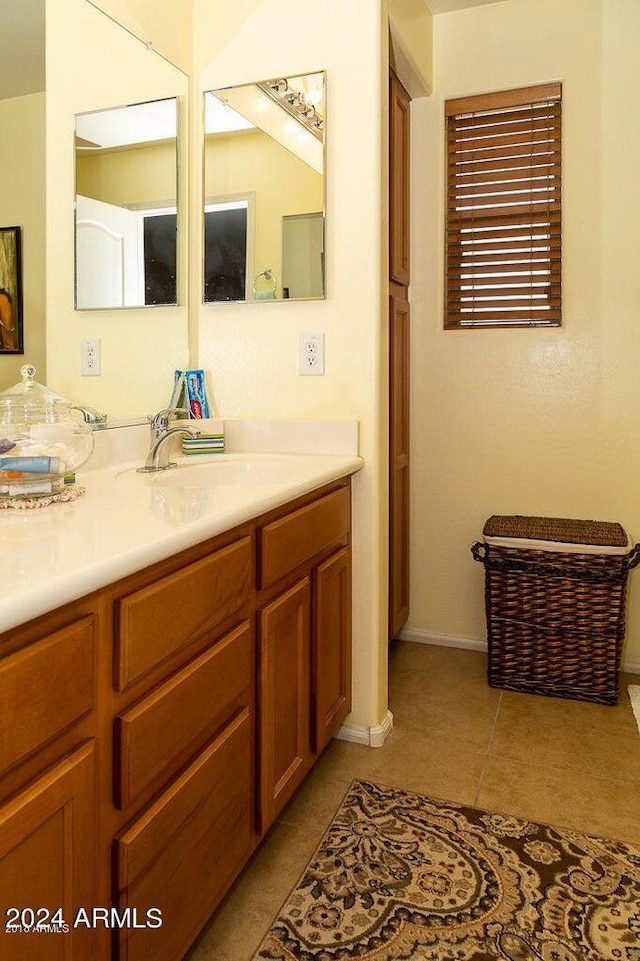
<point x="527" y="297"/>
<point x="499" y="318"/>
<point x="516" y="214"/>
<point x="535" y="149"/>
<point x="523" y="131"/>
<point x="521" y="165"/>
<point x="489" y="254"/>
<point x="484" y="117"/>
<point x="485" y="273"/>
<point x="545" y="172"/>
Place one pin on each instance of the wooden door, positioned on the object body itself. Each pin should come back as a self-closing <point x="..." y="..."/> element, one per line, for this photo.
<point x="399" y="517"/>
<point x="48" y="863"/>
<point x="399" y="355"/>
<point x="284" y="698"/>
<point x="399" y="168"/>
<point x="331" y="647"/>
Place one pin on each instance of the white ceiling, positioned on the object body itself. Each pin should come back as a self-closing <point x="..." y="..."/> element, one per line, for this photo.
<point x="21" y="47"/>
<point x="448" y="6"/>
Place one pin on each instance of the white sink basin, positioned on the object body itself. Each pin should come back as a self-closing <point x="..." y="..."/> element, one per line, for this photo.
<point x="215" y="473"/>
<point x="228" y="470"/>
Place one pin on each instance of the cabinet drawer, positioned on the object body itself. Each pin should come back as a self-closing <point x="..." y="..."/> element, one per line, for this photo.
<point x="44" y="689"/>
<point x="157" y="621"/>
<point x="160" y="733"/>
<point x="294" y="539"/>
<point x="184" y="852"/>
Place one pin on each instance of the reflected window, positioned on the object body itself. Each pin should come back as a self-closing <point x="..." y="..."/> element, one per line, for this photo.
<point x="225" y="251"/>
<point x="160" y="266"/>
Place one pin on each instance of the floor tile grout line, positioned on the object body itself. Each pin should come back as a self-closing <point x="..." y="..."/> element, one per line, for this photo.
<point x="487" y="752"/>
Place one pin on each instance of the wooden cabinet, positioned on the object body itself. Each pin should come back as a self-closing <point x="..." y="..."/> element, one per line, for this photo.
<point x="48" y="864"/>
<point x="159" y="733"/>
<point x="284" y="673"/>
<point x="46" y="687"/>
<point x="331" y="662"/>
<point x="157" y="621"/>
<point x="182" y="854"/>
<point x="47" y="861"/>
<point x="304" y="643"/>
<point x="184" y="744"/>
<point x="149" y="734"/>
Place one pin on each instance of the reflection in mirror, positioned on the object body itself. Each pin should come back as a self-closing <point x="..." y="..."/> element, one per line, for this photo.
<point x="126" y="206"/>
<point x="264" y="220"/>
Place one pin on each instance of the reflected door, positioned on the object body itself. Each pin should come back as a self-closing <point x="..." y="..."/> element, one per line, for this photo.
<point x="303" y="255"/>
<point x="108" y="264"/>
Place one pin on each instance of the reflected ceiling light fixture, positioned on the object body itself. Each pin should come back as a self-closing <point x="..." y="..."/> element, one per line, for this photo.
<point x="295" y="103"/>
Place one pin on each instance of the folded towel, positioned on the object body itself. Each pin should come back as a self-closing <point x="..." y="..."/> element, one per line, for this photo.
<point x="211" y="439"/>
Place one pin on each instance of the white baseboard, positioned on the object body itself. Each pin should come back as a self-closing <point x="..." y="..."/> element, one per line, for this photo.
<point x="371" y="736"/>
<point x="441" y="640"/>
<point x="446" y="640"/>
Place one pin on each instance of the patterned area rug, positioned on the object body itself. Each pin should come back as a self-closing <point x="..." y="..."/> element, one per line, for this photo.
<point x="400" y="876"/>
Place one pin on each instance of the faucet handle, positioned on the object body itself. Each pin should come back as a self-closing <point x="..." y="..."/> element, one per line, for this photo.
<point x="90" y="415"/>
<point x="160" y="421"/>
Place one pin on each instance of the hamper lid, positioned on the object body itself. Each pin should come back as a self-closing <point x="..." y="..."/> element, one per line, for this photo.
<point x="562" y="531"/>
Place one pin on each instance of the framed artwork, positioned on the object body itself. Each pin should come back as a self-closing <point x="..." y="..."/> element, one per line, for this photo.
<point x="11" y="340"/>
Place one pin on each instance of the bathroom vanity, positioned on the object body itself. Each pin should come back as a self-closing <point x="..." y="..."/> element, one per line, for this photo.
<point x="152" y="729"/>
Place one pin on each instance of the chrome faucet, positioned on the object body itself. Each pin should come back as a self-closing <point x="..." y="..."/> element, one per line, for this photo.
<point x="161" y="434"/>
<point x="90" y="415"/>
<point x="159" y="423"/>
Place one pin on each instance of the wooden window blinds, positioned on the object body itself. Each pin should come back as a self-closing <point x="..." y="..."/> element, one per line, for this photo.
<point x="503" y="218"/>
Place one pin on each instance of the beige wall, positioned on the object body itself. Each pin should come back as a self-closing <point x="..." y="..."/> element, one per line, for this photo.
<point x="22" y="192"/>
<point x="140" y="347"/>
<point x="164" y="23"/>
<point x="411" y="44"/>
<point x="142" y="175"/>
<point x="530" y="421"/>
<point x="252" y="349"/>
<point x="281" y="183"/>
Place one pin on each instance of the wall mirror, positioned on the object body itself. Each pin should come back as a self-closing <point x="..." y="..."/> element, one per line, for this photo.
<point x="126" y="206"/>
<point x="22" y="187"/>
<point x="264" y="186"/>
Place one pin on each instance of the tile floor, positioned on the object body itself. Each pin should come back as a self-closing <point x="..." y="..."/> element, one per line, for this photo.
<point x="557" y="761"/>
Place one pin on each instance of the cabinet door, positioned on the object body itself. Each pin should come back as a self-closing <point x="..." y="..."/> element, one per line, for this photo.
<point x="398" y="465"/>
<point x="332" y="647"/>
<point x="284" y="698"/>
<point x="47" y="861"/>
<point x="399" y="167"/>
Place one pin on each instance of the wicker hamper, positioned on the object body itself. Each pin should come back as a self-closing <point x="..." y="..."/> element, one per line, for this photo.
<point x="555" y="592"/>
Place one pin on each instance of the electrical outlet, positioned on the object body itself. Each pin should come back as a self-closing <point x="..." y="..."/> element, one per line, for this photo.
<point x="311" y="355"/>
<point x="90" y="358"/>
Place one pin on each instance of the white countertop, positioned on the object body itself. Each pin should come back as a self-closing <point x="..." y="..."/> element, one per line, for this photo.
<point x="126" y="521"/>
